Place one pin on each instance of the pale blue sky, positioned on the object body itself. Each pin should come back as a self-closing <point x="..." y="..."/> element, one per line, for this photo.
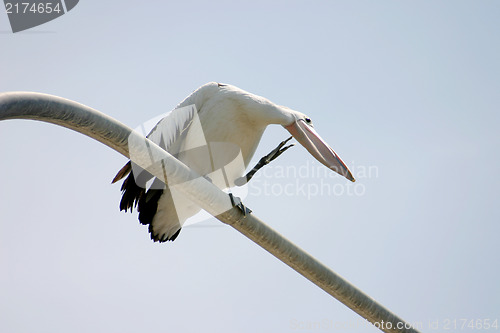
<point x="409" y="88"/>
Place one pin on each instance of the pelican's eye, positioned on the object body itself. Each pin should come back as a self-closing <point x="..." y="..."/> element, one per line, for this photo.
<point x="308" y="120"/>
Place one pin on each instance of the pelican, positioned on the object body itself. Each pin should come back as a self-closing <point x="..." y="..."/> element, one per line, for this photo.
<point x="215" y="131"/>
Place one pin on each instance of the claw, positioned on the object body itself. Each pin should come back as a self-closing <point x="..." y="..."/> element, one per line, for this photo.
<point x="264" y="161"/>
<point x="236" y="202"/>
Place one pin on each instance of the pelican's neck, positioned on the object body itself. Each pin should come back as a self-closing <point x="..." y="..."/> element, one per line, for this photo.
<point x="264" y="112"/>
<point x="259" y="111"/>
<point x="280" y="115"/>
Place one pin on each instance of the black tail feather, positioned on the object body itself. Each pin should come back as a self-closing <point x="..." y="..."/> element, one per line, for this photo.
<point x="146" y="202"/>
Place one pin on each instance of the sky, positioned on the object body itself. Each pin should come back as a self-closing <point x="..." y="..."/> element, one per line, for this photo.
<point x="406" y="92"/>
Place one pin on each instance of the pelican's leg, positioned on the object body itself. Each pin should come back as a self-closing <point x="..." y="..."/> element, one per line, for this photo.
<point x="264" y="161"/>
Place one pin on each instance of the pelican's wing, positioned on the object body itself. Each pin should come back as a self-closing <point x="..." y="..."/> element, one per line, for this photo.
<point x="169" y="133"/>
<point x="142" y="190"/>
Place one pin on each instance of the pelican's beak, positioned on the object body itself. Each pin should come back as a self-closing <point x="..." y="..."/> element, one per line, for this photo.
<point x="307" y="136"/>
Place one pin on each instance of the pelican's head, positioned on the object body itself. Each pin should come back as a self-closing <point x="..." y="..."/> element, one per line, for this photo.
<point x="264" y="112"/>
<point x="303" y="131"/>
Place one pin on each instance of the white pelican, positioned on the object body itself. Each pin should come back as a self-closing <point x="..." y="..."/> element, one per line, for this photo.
<point x="231" y="122"/>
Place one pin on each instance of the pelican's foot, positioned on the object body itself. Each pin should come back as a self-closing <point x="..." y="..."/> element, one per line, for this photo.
<point x="276" y="152"/>
<point x="236" y="202"/>
<point x="264" y="161"/>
